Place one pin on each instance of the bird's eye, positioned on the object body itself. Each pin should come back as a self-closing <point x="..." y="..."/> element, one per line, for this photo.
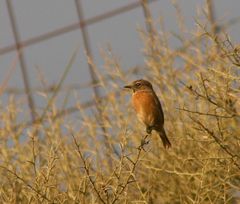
<point x="138" y="84"/>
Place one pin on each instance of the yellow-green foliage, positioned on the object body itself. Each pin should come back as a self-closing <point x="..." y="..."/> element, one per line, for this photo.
<point x="97" y="157"/>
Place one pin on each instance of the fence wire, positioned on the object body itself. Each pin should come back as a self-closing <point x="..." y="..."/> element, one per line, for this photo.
<point x="19" y="44"/>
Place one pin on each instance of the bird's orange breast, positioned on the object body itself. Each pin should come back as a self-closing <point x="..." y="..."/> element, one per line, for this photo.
<point x="146" y="107"/>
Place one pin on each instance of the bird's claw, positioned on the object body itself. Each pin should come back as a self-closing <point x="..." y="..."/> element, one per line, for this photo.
<point x="143" y="143"/>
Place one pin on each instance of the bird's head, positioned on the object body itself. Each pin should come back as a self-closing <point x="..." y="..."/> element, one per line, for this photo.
<point x="140" y="84"/>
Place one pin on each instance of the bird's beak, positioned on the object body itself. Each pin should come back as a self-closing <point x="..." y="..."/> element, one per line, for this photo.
<point x="128" y="87"/>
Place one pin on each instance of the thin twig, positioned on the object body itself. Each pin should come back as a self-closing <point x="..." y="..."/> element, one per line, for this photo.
<point x="87" y="170"/>
<point x="134" y="164"/>
<point x="28" y="185"/>
<point x="206" y="114"/>
<point x="217" y="140"/>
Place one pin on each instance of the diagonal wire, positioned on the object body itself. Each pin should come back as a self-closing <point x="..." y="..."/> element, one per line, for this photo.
<point x="26" y="81"/>
<point x="212" y="17"/>
<point x="147" y="15"/>
<point x="94" y="79"/>
<point x="74" y="26"/>
<point x="86" y="42"/>
<point x="149" y="23"/>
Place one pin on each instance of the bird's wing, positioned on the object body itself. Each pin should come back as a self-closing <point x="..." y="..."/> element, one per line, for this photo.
<point x="160" y="107"/>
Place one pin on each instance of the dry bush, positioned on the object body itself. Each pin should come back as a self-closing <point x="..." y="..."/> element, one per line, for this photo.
<point x="100" y="157"/>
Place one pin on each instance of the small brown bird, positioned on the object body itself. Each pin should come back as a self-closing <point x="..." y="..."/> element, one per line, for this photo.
<point x="148" y="108"/>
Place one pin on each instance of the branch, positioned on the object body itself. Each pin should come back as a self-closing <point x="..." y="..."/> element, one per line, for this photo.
<point x="28" y="185"/>
<point x="134" y="164"/>
<point x="206" y="114"/>
<point x="211" y="133"/>
<point x="87" y="170"/>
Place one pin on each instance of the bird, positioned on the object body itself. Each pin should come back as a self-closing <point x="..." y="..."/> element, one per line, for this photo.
<point x="148" y="108"/>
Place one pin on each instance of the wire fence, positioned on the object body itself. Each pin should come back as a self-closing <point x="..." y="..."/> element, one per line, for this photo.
<point x="82" y="24"/>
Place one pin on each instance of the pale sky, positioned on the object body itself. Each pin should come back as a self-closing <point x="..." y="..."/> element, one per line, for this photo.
<point x="120" y="32"/>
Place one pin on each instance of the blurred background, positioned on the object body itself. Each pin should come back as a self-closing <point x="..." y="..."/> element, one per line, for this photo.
<point x="67" y="131"/>
<point x="47" y="33"/>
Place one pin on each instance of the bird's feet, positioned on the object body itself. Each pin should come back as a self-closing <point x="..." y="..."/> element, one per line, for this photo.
<point x="144" y="142"/>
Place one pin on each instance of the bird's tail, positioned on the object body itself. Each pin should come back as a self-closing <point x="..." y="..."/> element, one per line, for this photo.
<point x="163" y="136"/>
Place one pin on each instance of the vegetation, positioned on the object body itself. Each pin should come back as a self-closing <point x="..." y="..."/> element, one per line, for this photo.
<point x="103" y="157"/>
